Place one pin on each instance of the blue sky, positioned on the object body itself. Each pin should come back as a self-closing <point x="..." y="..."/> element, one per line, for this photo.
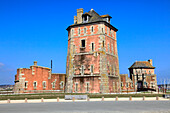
<point x="35" y="30"/>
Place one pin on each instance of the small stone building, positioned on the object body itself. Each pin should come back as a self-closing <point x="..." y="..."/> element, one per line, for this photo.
<point x="37" y="79"/>
<point x="143" y="76"/>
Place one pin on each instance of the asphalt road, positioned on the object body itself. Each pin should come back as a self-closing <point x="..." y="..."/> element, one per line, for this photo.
<point x="89" y="107"/>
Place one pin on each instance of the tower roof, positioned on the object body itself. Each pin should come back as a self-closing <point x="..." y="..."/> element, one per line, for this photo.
<point x="93" y="18"/>
<point x="142" y="64"/>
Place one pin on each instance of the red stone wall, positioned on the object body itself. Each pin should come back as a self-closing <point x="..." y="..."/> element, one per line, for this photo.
<point x="38" y="74"/>
<point x="94" y="84"/>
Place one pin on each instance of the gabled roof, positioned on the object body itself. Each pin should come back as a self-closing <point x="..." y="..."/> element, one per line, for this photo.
<point x="95" y="16"/>
<point x="142" y="64"/>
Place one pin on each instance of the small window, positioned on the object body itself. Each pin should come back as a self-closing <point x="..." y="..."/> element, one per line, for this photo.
<point x="83" y="43"/>
<point x="121" y="84"/>
<point x="79" y="31"/>
<point x="61" y="84"/>
<point x="91" y="68"/>
<point x="114" y="86"/>
<point x="73" y="69"/>
<point x="26" y="84"/>
<point x="132" y="84"/>
<point x="102" y="30"/>
<point x="35" y="84"/>
<point x="92" y="47"/>
<point x="103" y="43"/>
<point x="110" y="32"/>
<point x="84" y="30"/>
<point x="92" y="29"/>
<point x="127" y="85"/>
<point x="76" y="87"/>
<point x="87" y="87"/>
<point x="73" y="49"/>
<point x="108" y="48"/>
<point x="72" y="32"/>
<point x="85" y="18"/>
<point x="82" y="70"/>
<point x="44" y="84"/>
<point x="53" y="84"/>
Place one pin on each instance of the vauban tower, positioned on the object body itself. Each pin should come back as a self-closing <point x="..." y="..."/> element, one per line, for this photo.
<point x="92" y="57"/>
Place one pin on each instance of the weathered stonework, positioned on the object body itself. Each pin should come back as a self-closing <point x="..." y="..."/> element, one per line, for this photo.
<point x="38" y="79"/>
<point x="92" y="66"/>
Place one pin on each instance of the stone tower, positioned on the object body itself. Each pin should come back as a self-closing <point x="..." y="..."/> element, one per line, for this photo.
<point x="92" y="57"/>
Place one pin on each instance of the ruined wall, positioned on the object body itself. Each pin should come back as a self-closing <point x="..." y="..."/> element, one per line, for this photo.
<point x="25" y="78"/>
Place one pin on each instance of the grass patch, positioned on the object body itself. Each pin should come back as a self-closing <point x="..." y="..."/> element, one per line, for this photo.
<point x="61" y="95"/>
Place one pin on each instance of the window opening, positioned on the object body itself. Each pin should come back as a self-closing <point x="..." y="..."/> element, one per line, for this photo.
<point x="92" y="45"/>
<point x="82" y="43"/>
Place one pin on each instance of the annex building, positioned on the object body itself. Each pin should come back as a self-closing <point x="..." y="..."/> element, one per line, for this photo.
<point x="92" y="63"/>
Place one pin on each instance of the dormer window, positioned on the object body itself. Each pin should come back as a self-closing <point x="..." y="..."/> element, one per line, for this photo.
<point x="85" y="18"/>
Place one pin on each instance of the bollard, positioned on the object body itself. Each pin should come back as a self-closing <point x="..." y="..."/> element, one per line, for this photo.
<point x="157" y="98"/>
<point x="103" y="98"/>
<point x="58" y="99"/>
<point x="73" y="99"/>
<point x="88" y="98"/>
<point x="130" y="98"/>
<point x="116" y="98"/>
<point x="42" y="100"/>
<point x="8" y="101"/>
<point x="143" y="97"/>
<point x="26" y="100"/>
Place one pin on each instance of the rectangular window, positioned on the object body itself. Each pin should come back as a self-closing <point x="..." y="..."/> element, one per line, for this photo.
<point x="33" y="70"/>
<point x="113" y="86"/>
<point x="82" y="70"/>
<point x="73" y="70"/>
<point x="61" y="84"/>
<point x="132" y="84"/>
<point x="91" y="68"/>
<point x="53" y="85"/>
<point x="87" y="87"/>
<point x="79" y="31"/>
<point x="112" y="49"/>
<point x="103" y="43"/>
<point x="26" y="84"/>
<point x="117" y="86"/>
<point x="92" y="47"/>
<point x="83" y="43"/>
<point x="73" y="49"/>
<point x="108" y="48"/>
<point x="127" y="85"/>
<point x="121" y="84"/>
<point x="35" y="84"/>
<point x="76" y="87"/>
<point x="84" y="30"/>
<point x="44" y="84"/>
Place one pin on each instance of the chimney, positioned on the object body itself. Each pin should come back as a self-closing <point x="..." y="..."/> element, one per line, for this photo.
<point x="150" y="61"/>
<point x="75" y="19"/>
<point x="35" y="63"/>
<point x="79" y="15"/>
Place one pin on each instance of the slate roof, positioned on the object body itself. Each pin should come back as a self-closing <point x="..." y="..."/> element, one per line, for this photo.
<point x="142" y="64"/>
<point x="95" y="16"/>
